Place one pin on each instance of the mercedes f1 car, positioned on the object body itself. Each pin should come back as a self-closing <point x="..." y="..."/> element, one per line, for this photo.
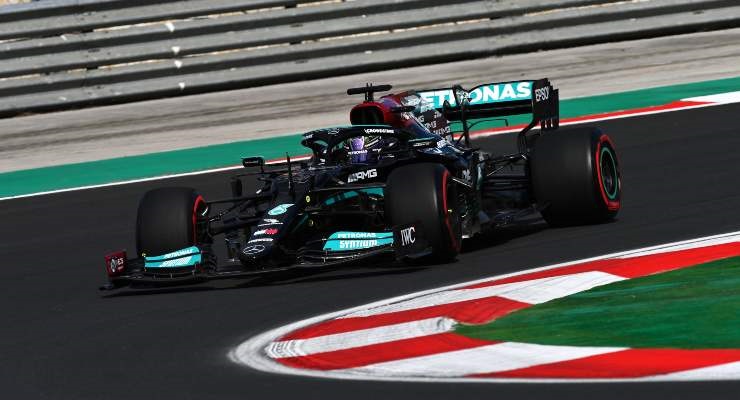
<point x="396" y="184"/>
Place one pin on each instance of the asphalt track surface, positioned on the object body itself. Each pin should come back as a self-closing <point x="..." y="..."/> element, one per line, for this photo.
<point x="61" y="339"/>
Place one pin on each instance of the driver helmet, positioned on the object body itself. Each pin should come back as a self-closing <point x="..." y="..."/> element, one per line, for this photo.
<point x="361" y="148"/>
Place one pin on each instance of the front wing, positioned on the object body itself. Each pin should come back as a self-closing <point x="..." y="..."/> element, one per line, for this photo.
<point x="408" y="242"/>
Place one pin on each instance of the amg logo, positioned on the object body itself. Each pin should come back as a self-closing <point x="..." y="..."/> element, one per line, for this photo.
<point x="542" y="94"/>
<point x="358" y="176"/>
<point x="408" y="236"/>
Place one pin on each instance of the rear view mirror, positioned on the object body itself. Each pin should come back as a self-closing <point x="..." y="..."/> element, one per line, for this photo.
<point x="249" y="162"/>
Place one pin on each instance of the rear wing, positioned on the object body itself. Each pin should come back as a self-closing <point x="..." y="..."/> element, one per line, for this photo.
<point x="491" y="100"/>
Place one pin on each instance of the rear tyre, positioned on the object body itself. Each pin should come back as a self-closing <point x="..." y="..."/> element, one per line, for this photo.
<point x="167" y="220"/>
<point x="576" y="177"/>
<point x="426" y="194"/>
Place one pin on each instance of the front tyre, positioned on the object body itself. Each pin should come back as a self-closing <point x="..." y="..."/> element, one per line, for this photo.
<point x="576" y="177"/>
<point x="167" y="220"/>
<point x="425" y="194"/>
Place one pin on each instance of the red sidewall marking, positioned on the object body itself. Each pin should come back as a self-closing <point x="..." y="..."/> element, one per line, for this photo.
<point x="198" y="201"/>
<point x="611" y="205"/>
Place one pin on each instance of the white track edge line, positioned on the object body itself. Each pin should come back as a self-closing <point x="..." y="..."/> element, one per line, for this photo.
<point x="251" y="352"/>
<point x="214" y="170"/>
<point x="138" y="180"/>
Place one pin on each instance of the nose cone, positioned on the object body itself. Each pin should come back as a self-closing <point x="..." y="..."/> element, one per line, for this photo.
<point x="254" y="251"/>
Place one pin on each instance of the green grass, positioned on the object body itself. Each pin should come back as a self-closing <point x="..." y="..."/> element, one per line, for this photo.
<point x="696" y="307"/>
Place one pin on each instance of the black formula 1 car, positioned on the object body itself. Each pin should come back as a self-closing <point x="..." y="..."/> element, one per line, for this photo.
<point x="396" y="184"/>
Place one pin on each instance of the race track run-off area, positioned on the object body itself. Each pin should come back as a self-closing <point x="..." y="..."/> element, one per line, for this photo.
<point x="63" y="339"/>
<point x="427" y="335"/>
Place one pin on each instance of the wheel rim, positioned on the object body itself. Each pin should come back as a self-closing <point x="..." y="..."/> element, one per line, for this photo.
<point x="609" y="175"/>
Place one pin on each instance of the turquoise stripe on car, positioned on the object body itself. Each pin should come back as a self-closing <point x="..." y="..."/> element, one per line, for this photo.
<point x="347" y="241"/>
<point x="186" y="257"/>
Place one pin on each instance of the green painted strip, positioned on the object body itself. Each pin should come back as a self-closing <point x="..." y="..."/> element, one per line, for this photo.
<point x="691" y="308"/>
<point x="202" y="158"/>
<point x="148" y="165"/>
